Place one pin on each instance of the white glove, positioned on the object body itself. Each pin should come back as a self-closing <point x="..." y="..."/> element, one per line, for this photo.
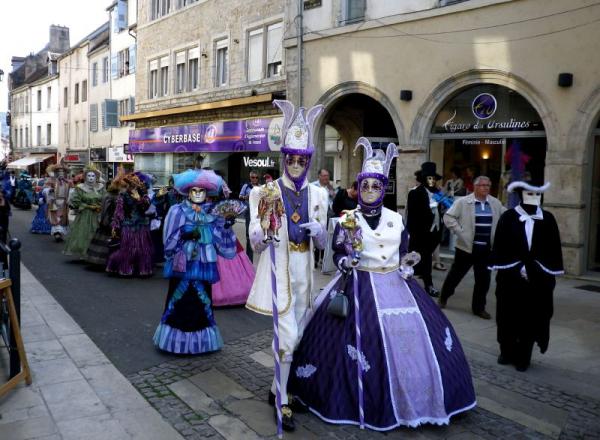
<point x="524" y="272"/>
<point x="406" y="272"/>
<point x="344" y="264"/>
<point x="314" y="228"/>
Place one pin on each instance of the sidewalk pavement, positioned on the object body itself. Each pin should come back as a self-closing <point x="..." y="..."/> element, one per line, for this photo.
<point x="76" y="392"/>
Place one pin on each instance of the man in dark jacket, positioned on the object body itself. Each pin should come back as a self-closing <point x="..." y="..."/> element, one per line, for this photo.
<point x="346" y="199"/>
<point x="424" y="222"/>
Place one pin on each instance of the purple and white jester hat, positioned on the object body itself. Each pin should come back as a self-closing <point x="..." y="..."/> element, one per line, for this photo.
<point x="376" y="163"/>
<point x="298" y="135"/>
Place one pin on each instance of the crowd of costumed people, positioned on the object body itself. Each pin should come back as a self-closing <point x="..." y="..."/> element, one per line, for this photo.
<point x="123" y="227"/>
<point x="371" y="348"/>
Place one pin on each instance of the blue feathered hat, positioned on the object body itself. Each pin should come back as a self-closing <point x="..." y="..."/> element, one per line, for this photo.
<point x="206" y="179"/>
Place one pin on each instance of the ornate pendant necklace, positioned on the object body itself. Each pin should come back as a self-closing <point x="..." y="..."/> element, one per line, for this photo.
<point x="293" y="196"/>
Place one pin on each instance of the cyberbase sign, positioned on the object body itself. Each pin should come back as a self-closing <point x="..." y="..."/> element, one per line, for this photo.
<point x="258" y="134"/>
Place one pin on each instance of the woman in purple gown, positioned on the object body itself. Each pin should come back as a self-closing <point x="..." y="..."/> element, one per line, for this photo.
<point x="403" y="364"/>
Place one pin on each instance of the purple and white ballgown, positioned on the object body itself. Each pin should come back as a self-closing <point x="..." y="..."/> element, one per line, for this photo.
<point x="412" y="365"/>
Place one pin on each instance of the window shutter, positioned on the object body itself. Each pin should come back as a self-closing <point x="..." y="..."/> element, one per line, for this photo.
<point x="113" y="66"/>
<point x="121" y="15"/>
<point x="274" y="43"/>
<point x="131" y="105"/>
<point x="112" y="113"/>
<point x="104" y="115"/>
<point x="94" y="117"/>
<point x="255" y="54"/>
<point x="132" y="59"/>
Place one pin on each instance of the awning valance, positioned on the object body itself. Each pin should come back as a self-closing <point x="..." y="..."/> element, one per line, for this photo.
<point x="24" y="162"/>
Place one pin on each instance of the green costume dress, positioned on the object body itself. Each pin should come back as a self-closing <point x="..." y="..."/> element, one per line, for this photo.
<point x="87" y="202"/>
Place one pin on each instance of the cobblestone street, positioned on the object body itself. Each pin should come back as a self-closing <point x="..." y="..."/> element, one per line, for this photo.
<point x="204" y="398"/>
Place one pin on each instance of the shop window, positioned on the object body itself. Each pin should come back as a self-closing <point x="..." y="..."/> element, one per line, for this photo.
<point x="489" y="130"/>
<point x="156" y="164"/>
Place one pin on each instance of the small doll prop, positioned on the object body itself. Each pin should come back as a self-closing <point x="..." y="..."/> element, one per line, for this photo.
<point x="270" y="210"/>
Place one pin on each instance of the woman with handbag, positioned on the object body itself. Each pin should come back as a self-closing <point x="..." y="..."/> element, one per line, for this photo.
<point x="193" y="237"/>
<point x="387" y="356"/>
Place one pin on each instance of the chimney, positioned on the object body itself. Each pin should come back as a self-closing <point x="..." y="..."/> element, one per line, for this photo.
<point x="59" y="39"/>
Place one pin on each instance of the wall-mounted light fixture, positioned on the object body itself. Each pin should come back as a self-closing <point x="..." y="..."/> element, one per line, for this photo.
<point x="405" y="95"/>
<point x="485" y="155"/>
<point x="204" y="55"/>
<point x="565" y="79"/>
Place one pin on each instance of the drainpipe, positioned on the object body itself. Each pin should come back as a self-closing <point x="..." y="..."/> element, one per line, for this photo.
<point x="299" y="45"/>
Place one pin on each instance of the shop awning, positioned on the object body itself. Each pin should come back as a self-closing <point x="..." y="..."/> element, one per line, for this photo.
<point x="24" y="162"/>
<point x="267" y="97"/>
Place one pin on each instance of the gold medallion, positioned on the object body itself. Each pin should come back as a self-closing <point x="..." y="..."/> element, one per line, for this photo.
<point x="295" y="217"/>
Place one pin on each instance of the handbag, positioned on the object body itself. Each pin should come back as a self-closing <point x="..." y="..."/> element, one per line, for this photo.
<point x="338" y="306"/>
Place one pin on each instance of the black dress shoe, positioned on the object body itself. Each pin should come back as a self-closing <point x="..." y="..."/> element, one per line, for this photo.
<point x="433" y="292"/>
<point x="503" y="360"/>
<point x="442" y="302"/>
<point x="522" y="367"/>
<point x="294" y="403"/>
<point x="287" y="418"/>
<point x="483" y="314"/>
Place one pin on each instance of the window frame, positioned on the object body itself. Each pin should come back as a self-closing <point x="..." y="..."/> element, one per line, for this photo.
<point x="263" y="29"/>
<point x="220" y="44"/>
<point x="76" y="94"/>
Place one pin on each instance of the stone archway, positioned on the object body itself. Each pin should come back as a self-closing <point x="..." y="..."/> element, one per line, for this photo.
<point x="356" y="109"/>
<point x="582" y="133"/>
<point x="421" y="127"/>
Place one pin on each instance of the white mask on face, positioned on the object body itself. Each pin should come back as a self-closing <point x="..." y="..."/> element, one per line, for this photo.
<point x="532" y="198"/>
<point x="90" y="178"/>
<point x="430" y="181"/>
<point x="370" y="190"/>
<point x="295" y="165"/>
<point x="197" y="195"/>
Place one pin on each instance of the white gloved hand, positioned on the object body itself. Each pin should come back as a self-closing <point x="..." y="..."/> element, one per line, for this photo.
<point x="406" y="272"/>
<point x="314" y="228"/>
<point x="344" y="264"/>
<point x="524" y="272"/>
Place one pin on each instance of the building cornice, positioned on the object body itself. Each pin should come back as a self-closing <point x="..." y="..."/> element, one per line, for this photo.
<point x="394" y="20"/>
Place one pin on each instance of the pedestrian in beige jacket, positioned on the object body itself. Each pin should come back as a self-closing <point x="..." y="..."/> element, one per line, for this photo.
<point x="473" y="219"/>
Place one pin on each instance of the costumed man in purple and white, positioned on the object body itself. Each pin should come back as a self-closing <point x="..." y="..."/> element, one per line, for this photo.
<point x="410" y="368"/>
<point x="424" y="222"/>
<point x="303" y="227"/>
<point x="527" y="255"/>
<point x="192" y="238"/>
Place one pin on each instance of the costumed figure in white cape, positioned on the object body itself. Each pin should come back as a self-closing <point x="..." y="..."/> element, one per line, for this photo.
<point x="377" y="351"/>
<point x="303" y="226"/>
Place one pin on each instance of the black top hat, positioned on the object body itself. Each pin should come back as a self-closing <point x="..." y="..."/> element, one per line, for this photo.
<point x="427" y="169"/>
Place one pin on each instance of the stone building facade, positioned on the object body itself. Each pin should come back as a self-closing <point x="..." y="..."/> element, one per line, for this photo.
<point x="488" y="86"/>
<point x="207" y="68"/>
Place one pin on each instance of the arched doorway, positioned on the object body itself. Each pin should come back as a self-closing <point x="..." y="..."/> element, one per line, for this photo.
<point x="489" y="129"/>
<point x="593" y="257"/>
<point x="349" y="117"/>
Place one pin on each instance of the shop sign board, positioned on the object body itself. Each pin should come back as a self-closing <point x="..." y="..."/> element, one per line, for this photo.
<point x="117" y="154"/>
<point x="259" y="162"/>
<point x="487" y="109"/>
<point x="98" y="154"/>
<point x="256" y="135"/>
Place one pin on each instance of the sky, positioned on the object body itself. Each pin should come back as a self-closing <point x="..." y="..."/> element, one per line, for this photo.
<point x="24" y="27"/>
